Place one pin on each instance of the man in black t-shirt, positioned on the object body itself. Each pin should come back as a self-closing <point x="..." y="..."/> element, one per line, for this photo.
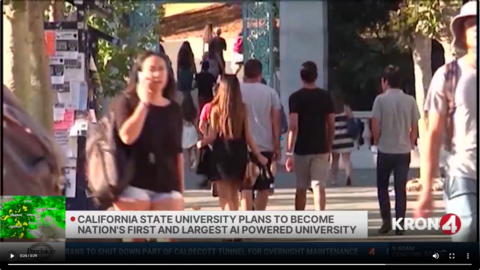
<point x="218" y="45"/>
<point x="311" y="130"/>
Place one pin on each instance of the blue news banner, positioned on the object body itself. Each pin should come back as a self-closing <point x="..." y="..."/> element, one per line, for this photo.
<point x="271" y="252"/>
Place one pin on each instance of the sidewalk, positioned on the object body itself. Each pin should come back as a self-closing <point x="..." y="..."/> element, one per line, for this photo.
<point x="362" y="196"/>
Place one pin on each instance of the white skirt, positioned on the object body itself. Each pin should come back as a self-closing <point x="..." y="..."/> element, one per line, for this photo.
<point x="190" y="136"/>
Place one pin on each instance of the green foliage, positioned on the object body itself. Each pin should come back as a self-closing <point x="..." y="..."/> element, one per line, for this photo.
<point x="113" y="62"/>
<point x="359" y="47"/>
<point x="428" y="17"/>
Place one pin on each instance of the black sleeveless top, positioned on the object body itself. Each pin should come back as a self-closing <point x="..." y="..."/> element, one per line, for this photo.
<point x="156" y="150"/>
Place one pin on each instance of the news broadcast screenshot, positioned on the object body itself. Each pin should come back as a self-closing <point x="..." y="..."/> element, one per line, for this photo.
<point x="281" y="133"/>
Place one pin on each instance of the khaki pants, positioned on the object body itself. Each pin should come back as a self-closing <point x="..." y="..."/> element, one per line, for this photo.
<point x="311" y="170"/>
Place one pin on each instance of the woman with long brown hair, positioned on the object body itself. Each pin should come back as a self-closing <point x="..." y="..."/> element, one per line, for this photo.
<point x="149" y="127"/>
<point x="230" y="138"/>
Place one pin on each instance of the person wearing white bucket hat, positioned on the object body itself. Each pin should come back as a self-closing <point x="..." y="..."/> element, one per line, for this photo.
<point x="452" y="105"/>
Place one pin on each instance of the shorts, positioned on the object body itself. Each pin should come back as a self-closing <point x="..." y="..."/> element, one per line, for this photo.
<point x="461" y="198"/>
<point x="311" y="170"/>
<point x="140" y="194"/>
<point x="261" y="183"/>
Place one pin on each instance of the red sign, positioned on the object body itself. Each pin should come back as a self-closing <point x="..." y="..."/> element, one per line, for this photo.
<point x="450" y="224"/>
<point x="371" y="251"/>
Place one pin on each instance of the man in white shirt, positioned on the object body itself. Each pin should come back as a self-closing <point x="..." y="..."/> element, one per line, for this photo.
<point x="452" y="106"/>
<point x="263" y="106"/>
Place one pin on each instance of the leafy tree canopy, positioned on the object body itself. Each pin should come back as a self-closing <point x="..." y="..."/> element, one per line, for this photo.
<point x="360" y="46"/>
<point x="113" y="62"/>
<point x="428" y="17"/>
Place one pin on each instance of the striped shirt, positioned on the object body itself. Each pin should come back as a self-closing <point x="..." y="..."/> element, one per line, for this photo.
<point x="342" y="143"/>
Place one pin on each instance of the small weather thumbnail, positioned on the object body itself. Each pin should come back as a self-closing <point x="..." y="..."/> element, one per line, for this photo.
<point x="32" y="217"/>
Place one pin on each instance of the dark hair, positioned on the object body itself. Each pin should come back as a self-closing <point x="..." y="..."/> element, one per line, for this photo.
<point x="338" y="101"/>
<point x="252" y="69"/>
<point x="185" y="58"/>
<point x="309" y="72"/>
<point x="205" y="65"/>
<point x="189" y="112"/>
<point x="208" y="33"/>
<point x="393" y="77"/>
<point x="161" y="49"/>
<point x="131" y="90"/>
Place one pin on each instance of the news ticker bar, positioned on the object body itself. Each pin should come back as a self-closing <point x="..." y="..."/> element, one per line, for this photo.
<point x="217" y="224"/>
<point x="240" y="252"/>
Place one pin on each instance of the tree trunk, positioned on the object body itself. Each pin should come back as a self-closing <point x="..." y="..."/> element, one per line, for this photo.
<point x="57" y="11"/>
<point x="421" y="52"/>
<point x="40" y="71"/>
<point x="16" y="51"/>
<point x="448" y="51"/>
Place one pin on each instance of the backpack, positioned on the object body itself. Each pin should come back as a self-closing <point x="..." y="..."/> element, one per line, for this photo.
<point x="109" y="166"/>
<point x="32" y="160"/>
<point x="238" y="46"/>
<point x="449" y="88"/>
<point x="353" y="130"/>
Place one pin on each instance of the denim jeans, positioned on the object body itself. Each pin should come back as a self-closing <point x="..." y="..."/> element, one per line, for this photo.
<point x="399" y="164"/>
<point x="461" y="197"/>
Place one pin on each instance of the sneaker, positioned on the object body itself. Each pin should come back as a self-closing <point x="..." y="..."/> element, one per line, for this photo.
<point x="386" y="227"/>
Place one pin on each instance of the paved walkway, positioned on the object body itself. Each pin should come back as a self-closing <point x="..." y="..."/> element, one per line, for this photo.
<point x="362" y="196"/>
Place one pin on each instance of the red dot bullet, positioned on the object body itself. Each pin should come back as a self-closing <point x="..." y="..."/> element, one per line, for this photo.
<point x="72" y="218"/>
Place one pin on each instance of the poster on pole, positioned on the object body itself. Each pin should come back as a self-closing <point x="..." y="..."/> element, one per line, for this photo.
<point x="70" y="175"/>
<point x="67" y="122"/>
<point x="66" y="44"/>
<point x="79" y="95"/>
<point x="75" y="68"/>
<point x="64" y="92"/>
<point x="58" y="112"/>
<point x="50" y="45"/>
<point x="68" y="144"/>
<point x="57" y="70"/>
